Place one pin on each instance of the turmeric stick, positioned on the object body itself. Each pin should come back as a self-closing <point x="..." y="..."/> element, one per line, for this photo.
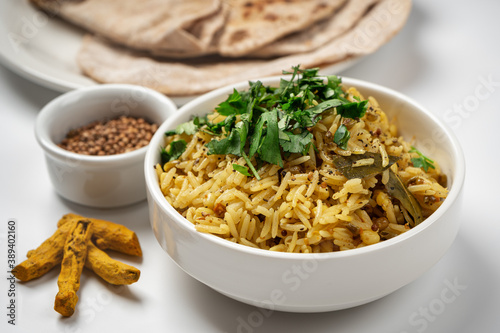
<point x="112" y="271"/>
<point x="75" y="253"/>
<point x="43" y="258"/>
<point x="109" y="235"/>
<point x="71" y="246"/>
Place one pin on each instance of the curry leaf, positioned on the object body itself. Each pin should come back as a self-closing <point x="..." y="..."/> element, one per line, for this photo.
<point x="398" y="190"/>
<point x="345" y="164"/>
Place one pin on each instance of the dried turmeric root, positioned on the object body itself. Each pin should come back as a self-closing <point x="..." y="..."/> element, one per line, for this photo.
<point x="71" y="246"/>
<point x="75" y="253"/>
<point x="112" y="271"/>
<point x="44" y="258"/>
<point x="109" y="235"/>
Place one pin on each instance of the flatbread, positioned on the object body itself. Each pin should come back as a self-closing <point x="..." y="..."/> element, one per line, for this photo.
<point x="144" y="25"/>
<point x="207" y="30"/>
<point x="111" y="64"/>
<point x="254" y="23"/>
<point x="320" y="33"/>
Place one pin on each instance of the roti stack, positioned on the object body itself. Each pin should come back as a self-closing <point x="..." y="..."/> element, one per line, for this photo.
<point x="184" y="48"/>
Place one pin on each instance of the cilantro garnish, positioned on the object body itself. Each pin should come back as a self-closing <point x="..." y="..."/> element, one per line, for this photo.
<point x="352" y="110"/>
<point x="173" y="151"/>
<point x="296" y="143"/>
<point x="233" y="105"/>
<point x="189" y="128"/>
<point x="241" y="169"/>
<point x="265" y="123"/>
<point x="421" y="161"/>
<point x="342" y="136"/>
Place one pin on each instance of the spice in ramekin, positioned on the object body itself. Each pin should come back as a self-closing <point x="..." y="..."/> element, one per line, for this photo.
<point x="110" y="137"/>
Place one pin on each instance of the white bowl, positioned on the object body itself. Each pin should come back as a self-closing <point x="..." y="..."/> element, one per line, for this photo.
<point x="298" y="282"/>
<point x="98" y="181"/>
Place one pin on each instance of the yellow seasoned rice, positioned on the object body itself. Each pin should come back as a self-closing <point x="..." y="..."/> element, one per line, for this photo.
<point x="307" y="206"/>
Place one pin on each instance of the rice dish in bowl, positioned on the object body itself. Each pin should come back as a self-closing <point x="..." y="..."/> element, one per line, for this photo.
<point x="325" y="194"/>
<point x="243" y="219"/>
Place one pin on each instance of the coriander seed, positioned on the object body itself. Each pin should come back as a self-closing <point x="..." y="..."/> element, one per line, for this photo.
<point x="110" y="137"/>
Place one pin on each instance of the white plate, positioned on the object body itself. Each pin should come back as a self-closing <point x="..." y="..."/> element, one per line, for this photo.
<point x="42" y="48"/>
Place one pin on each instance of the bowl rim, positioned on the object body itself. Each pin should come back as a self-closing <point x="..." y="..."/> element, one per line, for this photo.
<point x="156" y="194"/>
<point x="52" y="109"/>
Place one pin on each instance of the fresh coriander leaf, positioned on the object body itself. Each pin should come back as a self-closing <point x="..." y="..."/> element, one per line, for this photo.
<point x="308" y="74"/>
<point x="293" y="103"/>
<point x="286" y="86"/>
<point x="233" y="144"/>
<point x="242" y="129"/>
<point x="269" y="148"/>
<point x="200" y="121"/>
<point x="228" y="145"/>
<point x="256" y="137"/>
<point x="296" y="70"/>
<point x="303" y="119"/>
<point x="257" y="90"/>
<point x="215" y="129"/>
<point x="188" y="127"/>
<point x="229" y="123"/>
<point x="296" y="143"/>
<point x="284" y="121"/>
<point x="310" y="95"/>
<point x="324" y="106"/>
<point x="170" y="132"/>
<point x="342" y="136"/>
<point x="283" y="136"/>
<point x="334" y="83"/>
<point x="352" y="110"/>
<point x="241" y="169"/>
<point x="234" y="104"/>
<point x="421" y="161"/>
<point x="203" y="124"/>
<point x="173" y="151"/>
<point x="328" y="92"/>
<point x="250" y="165"/>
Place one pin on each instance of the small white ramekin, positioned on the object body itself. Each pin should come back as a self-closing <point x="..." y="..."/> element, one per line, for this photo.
<point x="98" y="181"/>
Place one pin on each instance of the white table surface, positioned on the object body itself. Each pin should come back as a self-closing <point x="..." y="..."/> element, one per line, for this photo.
<point x="446" y="57"/>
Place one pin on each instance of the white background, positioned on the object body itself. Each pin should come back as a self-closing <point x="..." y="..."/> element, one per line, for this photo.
<point x="447" y="58"/>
